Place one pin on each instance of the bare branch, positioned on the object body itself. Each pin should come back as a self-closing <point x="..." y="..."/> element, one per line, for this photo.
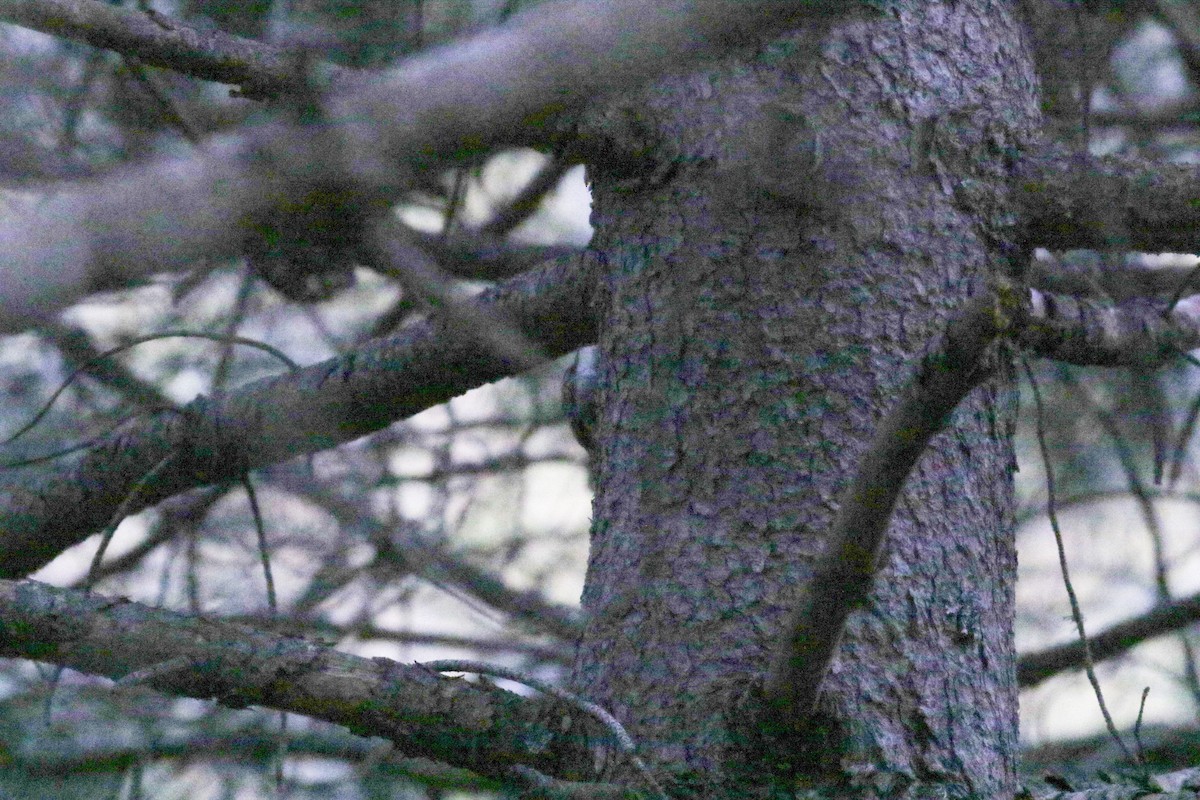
<point x="374" y="134"/>
<point x="472" y="725"/>
<point x="260" y="69"/>
<point x="1150" y="120"/>
<point x="842" y="580"/>
<point x="408" y="554"/>
<point x="241" y="745"/>
<point x="383" y="250"/>
<point x="1056" y="327"/>
<point x="1090" y="496"/>
<point x="323" y="405"/>
<point x="1112" y="203"/>
<point x="474" y="255"/>
<point x="1171" y="617"/>
<point x="476" y="258"/>
<point x="1180" y="785"/>
<point x="315" y="628"/>
<point x="1064" y="567"/>
<point x="80" y="353"/>
<point x="528" y="200"/>
<point x="1088" y="332"/>
<point x="622" y="738"/>
<point x="1118" y="283"/>
<point x="179" y="516"/>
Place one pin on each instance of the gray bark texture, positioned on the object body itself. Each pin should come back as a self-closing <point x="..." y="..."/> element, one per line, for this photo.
<point x="782" y="238"/>
<point x="803" y="228"/>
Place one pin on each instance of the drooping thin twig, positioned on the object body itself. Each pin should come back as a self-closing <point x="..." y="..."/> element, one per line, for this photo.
<point x="237" y="315"/>
<point x="122" y="511"/>
<point x="76" y="348"/>
<point x="1137" y="486"/>
<point x="264" y="554"/>
<point x="1076" y="612"/>
<point x="112" y="351"/>
<point x="86" y="444"/>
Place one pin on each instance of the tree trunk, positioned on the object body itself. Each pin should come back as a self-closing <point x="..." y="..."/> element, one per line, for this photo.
<point x="813" y="223"/>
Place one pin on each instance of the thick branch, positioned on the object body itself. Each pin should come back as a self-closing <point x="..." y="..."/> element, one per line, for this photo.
<point x="246" y="745"/>
<point x="1082" y="332"/>
<point x="472" y="725"/>
<point x="844" y="576"/>
<point x="326" y="404"/>
<point x="1117" y="283"/>
<point x="439" y="105"/>
<point x="1115" y="203"/>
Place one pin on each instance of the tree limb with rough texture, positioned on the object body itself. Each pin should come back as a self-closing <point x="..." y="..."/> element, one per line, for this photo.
<point x="1117" y="203"/>
<point x="1062" y="328"/>
<point x="472" y="725"/>
<point x="213" y="440"/>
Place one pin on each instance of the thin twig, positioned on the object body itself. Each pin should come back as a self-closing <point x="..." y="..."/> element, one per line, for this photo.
<point x="118" y="516"/>
<point x="1076" y="613"/>
<point x="1137" y="727"/>
<point x="112" y="351"/>
<point x="263" y="553"/>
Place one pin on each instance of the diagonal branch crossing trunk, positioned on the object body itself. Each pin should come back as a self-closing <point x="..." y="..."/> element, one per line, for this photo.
<point x="766" y="291"/>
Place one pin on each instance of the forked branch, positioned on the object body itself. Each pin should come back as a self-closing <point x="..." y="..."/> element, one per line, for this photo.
<point x="1061" y="328"/>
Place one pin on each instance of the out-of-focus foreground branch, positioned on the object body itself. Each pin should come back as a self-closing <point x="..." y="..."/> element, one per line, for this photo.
<point x="372" y="134"/>
<point x="258" y="68"/>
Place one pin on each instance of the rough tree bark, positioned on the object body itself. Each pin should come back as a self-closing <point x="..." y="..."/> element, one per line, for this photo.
<point x="817" y="222"/>
<point x="795" y="231"/>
